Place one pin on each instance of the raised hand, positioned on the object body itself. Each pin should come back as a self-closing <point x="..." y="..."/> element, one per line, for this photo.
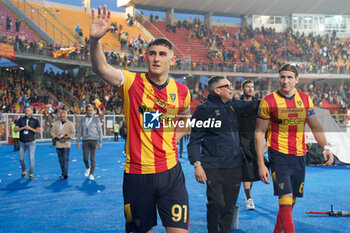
<point x="100" y="23"/>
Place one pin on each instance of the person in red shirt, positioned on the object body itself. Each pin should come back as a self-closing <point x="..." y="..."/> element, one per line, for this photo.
<point x="153" y="102"/>
<point x="283" y="114"/>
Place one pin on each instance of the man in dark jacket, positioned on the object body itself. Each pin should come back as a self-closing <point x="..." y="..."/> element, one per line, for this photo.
<point x="214" y="150"/>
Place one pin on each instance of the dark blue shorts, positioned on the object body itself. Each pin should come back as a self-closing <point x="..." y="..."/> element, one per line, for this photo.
<point x="288" y="173"/>
<point x="144" y="194"/>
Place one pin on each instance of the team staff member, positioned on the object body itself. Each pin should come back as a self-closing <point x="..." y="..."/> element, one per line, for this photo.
<point x="90" y="132"/>
<point x="63" y="131"/>
<point x="153" y="177"/>
<point x="27" y="126"/>
<point x="284" y="114"/>
<point x="215" y="152"/>
<point x="247" y="123"/>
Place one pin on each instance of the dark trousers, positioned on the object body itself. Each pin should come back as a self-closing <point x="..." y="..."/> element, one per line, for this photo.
<point x="116" y="136"/>
<point x="16" y="144"/>
<point x="89" y="147"/>
<point x="222" y="192"/>
<point x="63" y="157"/>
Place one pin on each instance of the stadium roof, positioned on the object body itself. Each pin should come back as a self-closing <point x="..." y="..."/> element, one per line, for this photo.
<point x="238" y="8"/>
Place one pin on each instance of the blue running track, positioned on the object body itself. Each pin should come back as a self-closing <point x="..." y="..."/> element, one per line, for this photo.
<point x="48" y="204"/>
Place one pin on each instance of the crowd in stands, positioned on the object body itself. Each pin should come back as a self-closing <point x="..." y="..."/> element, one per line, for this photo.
<point x="259" y="50"/>
<point x="323" y="94"/>
<point x="21" y="44"/>
<point x="265" y="53"/>
<point x="312" y="53"/>
<point x="104" y="97"/>
<point x="17" y="91"/>
<point x="329" y="56"/>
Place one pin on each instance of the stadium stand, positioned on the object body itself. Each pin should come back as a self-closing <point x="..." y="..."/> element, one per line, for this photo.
<point x="111" y="41"/>
<point x="219" y="48"/>
<point x="44" y="23"/>
<point x="17" y="92"/>
<point x="71" y="18"/>
<point x="60" y="26"/>
<point x="23" y="31"/>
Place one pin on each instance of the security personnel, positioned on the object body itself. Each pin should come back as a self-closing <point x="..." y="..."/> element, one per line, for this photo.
<point x="116" y="131"/>
<point x="15" y="136"/>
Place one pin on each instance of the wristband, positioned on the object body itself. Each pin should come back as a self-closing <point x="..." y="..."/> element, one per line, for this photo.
<point x="326" y="147"/>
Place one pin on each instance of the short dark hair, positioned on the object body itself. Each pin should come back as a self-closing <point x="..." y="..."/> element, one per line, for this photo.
<point x="161" y="41"/>
<point x="289" y="67"/>
<point x="214" y="80"/>
<point x="245" y="82"/>
<point x="88" y="106"/>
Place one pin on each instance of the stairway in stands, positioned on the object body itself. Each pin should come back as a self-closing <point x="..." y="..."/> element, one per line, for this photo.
<point x="195" y="50"/>
<point x="24" y="30"/>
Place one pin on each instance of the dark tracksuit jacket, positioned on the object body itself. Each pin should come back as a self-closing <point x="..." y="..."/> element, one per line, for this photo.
<point x="218" y="147"/>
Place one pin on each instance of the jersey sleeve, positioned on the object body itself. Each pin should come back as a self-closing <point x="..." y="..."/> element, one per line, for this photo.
<point x="264" y="110"/>
<point x="187" y="102"/>
<point x="128" y="78"/>
<point x="311" y="111"/>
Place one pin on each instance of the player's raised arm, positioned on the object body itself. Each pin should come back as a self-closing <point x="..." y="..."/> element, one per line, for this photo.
<point x="99" y="27"/>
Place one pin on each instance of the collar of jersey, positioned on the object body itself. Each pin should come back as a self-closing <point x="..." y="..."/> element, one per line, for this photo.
<point x="159" y="87"/>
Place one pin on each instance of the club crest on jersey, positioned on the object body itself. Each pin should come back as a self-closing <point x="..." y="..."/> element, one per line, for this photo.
<point x="172" y="96"/>
<point x="299" y="103"/>
<point x="151" y="120"/>
<point x="281" y="186"/>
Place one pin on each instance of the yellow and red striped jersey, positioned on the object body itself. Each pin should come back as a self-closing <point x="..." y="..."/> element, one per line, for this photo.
<point x="287" y="121"/>
<point x="151" y="150"/>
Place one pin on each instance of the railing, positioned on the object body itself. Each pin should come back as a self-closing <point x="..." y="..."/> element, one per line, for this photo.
<point x="46" y="121"/>
<point x="57" y="35"/>
<point x="107" y="122"/>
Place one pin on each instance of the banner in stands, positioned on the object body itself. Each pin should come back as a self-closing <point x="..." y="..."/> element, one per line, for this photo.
<point x="63" y="51"/>
<point x="338" y="138"/>
<point x="7" y="51"/>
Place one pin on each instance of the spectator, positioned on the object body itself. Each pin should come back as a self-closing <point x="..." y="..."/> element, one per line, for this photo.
<point x="77" y="29"/>
<point x="17" y="24"/>
<point x="8" y="23"/>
